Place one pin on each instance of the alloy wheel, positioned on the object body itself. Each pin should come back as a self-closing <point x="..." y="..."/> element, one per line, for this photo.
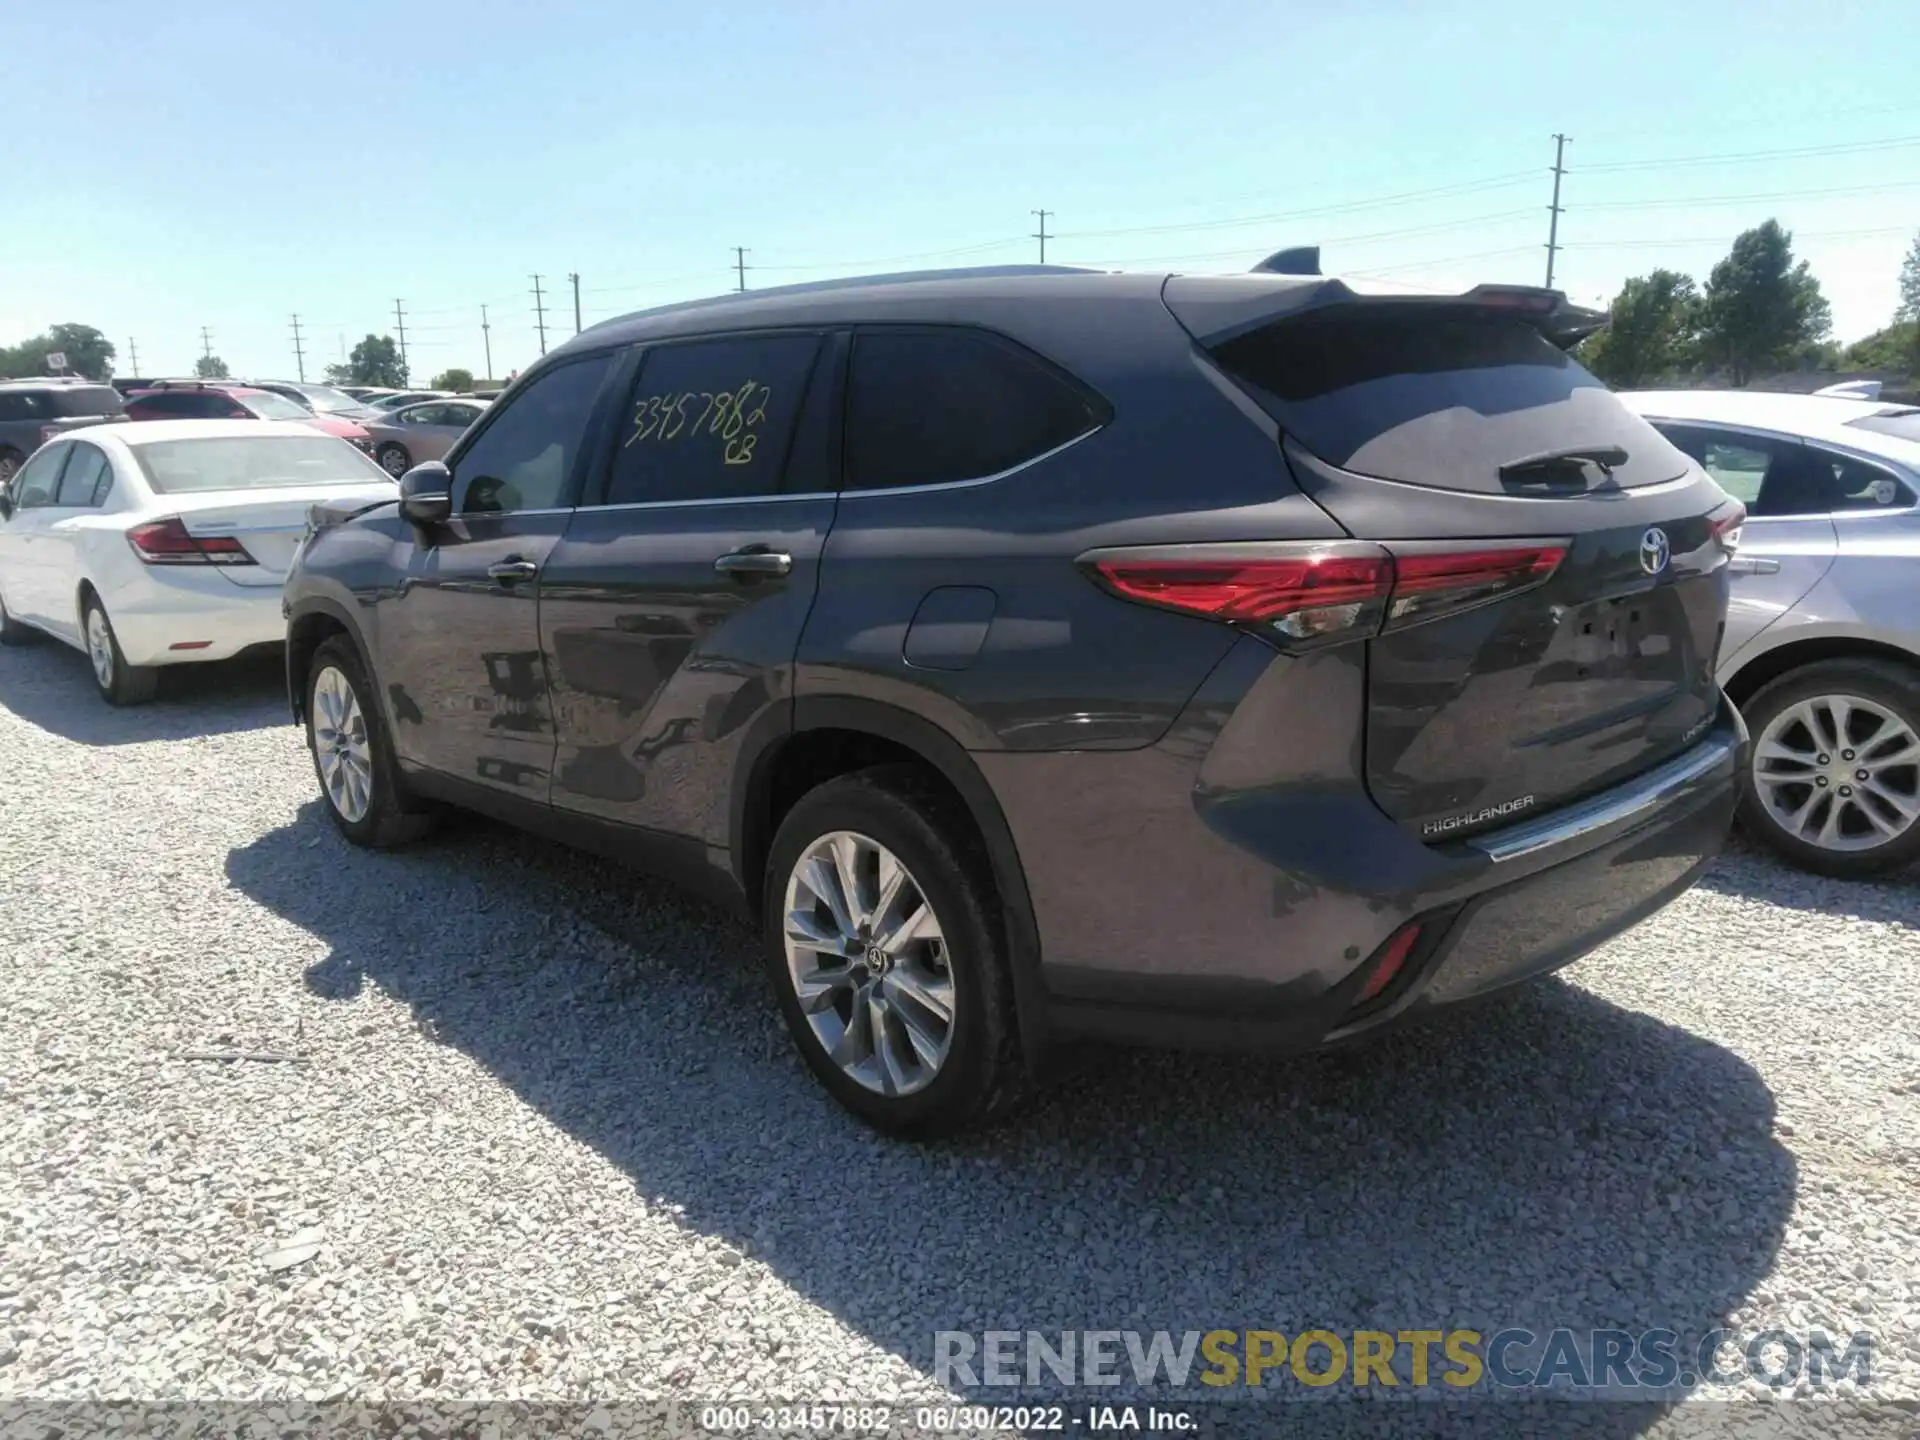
<point x="340" y="748"/>
<point x="868" y="963"/>
<point x="394" y="461"/>
<point x="100" y="647"/>
<point x="1839" y="772"/>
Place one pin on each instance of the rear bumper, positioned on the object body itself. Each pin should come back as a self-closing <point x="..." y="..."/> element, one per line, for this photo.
<point x="187" y="609"/>
<point x="1254" y="921"/>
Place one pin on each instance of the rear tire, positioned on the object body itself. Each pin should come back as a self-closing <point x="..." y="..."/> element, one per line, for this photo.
<point x="394" y="459"/>
<point x="875" y="1004"/>
<point x="118" y="682"/>
<point x="1797" y="726"/>
<point x="353" y="756"/>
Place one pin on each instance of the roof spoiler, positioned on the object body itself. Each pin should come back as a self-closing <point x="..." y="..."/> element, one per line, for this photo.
<point x="1216" y="309"/>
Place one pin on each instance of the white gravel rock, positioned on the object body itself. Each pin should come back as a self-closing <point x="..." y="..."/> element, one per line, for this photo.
<point x="543" y="1137"/>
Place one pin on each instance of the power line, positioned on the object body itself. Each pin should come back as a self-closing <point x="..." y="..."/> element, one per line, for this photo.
<point x="540" y="314"/>
<point x="1553" y="210"/>
<point x="1722" y="239"/>
<point x="576" y="302"/>
<point x="1403" y="232"/>
<point x="1860" y="147"/>
<point x="1041" y="233"/>
<point x="299" y="355"/>
<point x="1692" y="202"/>
<point x="740" y="267"/>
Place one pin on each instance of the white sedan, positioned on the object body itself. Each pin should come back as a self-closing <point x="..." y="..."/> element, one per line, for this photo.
<point x="166" y="542"/>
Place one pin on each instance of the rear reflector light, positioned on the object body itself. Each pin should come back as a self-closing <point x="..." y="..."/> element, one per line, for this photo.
<point x="1723" y="525"/>
<point x="167" y="542"/>
<point x="1393" y="957"/>
<point x="190" y="645"/>
<point x="1319" y="593"/>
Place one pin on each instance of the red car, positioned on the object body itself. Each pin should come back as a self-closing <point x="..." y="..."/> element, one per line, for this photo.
<point x="220" y="400"/>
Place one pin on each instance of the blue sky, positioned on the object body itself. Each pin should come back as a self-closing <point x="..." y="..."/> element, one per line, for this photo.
<point x="173" y="166"/>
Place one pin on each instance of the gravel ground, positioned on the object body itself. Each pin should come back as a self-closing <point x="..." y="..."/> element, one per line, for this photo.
<point x="543" y="1138"/>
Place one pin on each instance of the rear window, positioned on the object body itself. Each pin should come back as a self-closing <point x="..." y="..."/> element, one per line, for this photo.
<point x="253" y="462"/>
<point x="1901" y="424"/>
<point x="269" y="406"/>
<point x="85" y="400"/>
<point x="1443" y="401"/>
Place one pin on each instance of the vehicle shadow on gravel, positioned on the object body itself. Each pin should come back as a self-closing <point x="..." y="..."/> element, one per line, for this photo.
<point x="1748" y="870"/>
<point x="1548" y="1160"/>
<point x="50" y="685"/>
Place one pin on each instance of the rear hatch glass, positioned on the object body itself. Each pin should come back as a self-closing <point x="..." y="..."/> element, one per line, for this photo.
<point x="1439" y="399"/>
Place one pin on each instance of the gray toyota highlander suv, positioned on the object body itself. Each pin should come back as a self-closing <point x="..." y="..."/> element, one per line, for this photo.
<point x="1237" y="660"/>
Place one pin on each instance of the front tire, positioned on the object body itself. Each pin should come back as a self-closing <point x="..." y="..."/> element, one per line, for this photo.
<point x="394" y="459"/>
<point x="1833" y="779"/>
<point x="353" y="755"/>
<point x="118" y="682"/>
<point x="882" y="938"/>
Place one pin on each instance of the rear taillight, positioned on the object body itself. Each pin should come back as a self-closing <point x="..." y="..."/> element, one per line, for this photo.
<point x="167" y="542"/>
<point x="1723" y="525"/>
<point x="1315" y="593"/>
<point x="1393" y="958"/>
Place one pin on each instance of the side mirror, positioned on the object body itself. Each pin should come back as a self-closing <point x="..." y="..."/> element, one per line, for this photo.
<point x="426" y="494"/>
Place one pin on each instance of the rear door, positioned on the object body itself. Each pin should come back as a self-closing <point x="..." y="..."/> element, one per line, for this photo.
<point x="1456" y="434"/>
<point x="459" y="642"/>
<point x="1788" y="542"/>
<point x="84" y="483"/>
<point x="671" y="609"/>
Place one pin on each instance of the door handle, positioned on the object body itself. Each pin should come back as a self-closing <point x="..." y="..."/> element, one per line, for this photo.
<point x="1752" y="565"/>
<point x="509" y="571"/>
<point x="754" y="562"/>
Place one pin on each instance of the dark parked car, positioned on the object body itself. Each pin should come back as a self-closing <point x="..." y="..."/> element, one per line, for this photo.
<point x="34" y="411"/>
<point x="1217" y="660"/>
<point x="235" y="400"/>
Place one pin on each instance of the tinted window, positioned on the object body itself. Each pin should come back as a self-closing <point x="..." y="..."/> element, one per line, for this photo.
<point x="926" y="407"/>
<point x="1859" y="485"/>
<point x="254" y="462"/>
<point x="20" y="405"/>
<point x="1436" y="400"/>
<point x="34" y="485"/>
<point x="1737" y="463"/>
<point x="711" y="419"/>
<point x="1902" y="424"/>
<point x="269" y="406"/>
<point x="183" y="405"/>
<point x="86" y="400"/>
<point x="83" y="476"/>
<point x="527" y="454"/>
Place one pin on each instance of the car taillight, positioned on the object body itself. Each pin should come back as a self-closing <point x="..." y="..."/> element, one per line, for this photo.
<point x="1723" y="525"/>
<point x="1393" y="957"/>
<point x="1321" y="593"/>
<point x="167" y="542"/>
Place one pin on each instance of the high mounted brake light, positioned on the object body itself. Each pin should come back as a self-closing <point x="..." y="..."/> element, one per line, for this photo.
<point x="1313" y="594"/>
<point x="168" y="542"/>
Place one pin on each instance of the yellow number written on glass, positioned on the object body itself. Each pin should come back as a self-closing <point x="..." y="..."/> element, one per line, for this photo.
<point x="727" y="414"/>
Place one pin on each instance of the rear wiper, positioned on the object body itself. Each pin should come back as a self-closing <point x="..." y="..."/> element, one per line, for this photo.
<point x="1607" y="457"/>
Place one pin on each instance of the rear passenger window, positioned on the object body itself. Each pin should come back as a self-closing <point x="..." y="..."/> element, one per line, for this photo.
<point x="711" y="419"/>
<point x="84" y="476"/>
<point x="928" y="407"/>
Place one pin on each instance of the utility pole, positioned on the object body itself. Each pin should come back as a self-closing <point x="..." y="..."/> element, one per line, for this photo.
<point x="740" y="267"/>
<point x="576" y="302"/>
<point x="299" y="355"/>
<point x="400" y="324"/>
<point x="486" y="339"/>
<point x="1553" y="211"/>
<point x="540" y="314"/>
<point x="133" y="356"/>
<point x="206" y="343"/>
<point x="1041" y="233"/>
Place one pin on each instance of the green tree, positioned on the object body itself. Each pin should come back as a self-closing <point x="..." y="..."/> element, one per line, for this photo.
<point x="1761" y="306"/>
<point x="1888" y="349"/>
<point x="1910" y="284"/>
<point x="376" y="361"/>
<point x="211" y="367"/>
<point x="88" y="353"/>
<point x="1651" y="332"/>
<point x="456" y="379"/>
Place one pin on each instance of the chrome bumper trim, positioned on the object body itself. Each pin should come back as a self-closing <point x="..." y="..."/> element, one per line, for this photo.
<point x="1640" y="796"/>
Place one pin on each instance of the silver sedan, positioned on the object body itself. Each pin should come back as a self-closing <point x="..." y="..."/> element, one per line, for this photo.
<point x="425" y="431"/>
<point x="1822" y="647"/>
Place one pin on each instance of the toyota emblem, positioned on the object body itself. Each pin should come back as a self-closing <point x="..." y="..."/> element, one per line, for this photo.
<point x="1655" y="551"/>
